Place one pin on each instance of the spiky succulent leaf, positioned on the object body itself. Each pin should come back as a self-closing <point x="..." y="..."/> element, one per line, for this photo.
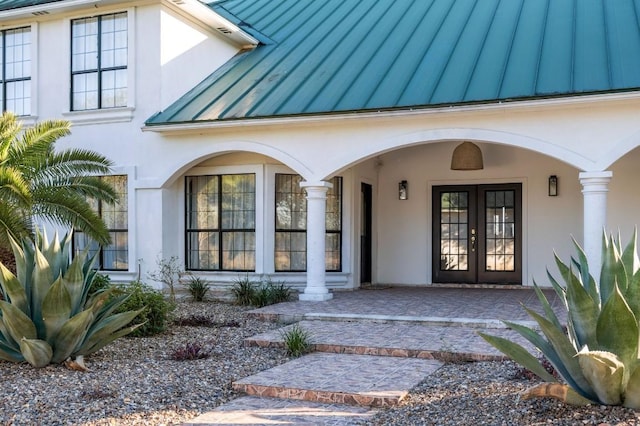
<point x="56" y="309"/>
<point x="520" y="355"/>
<point x="612" y="272"/>
<point x="630" y="258"/>
<point x="583" y="313"/>
<point x="36" y="352"/>
<point x="107" y="331"/>
<point x="617" y="329"/>
<point x="632" y="391"/>
<point x="560" y="291"/>
<point x="605" y="373"/>
<point x="587" y="279"/>
<point x="74" y="282"/>
<point x="548" y="311"/>
<point x="549" y="352"/>
<point x="17" y="324"/>
<point x="70" y="335"/>
<point x="42" y="280"/>
<point x="9" y="353"/>
<point x="14" y="290"/>
<point x="632" y="295"/>
<point x="559" y="391"/>
<point x="566" y="352"/>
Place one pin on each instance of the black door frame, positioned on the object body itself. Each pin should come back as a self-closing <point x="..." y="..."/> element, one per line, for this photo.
<point x="477" y="271"/>
<point x="366" y="228"/>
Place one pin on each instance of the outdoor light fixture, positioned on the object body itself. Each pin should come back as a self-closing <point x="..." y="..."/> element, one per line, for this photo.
<point x="553" y="186"/>
<point x="467" y="156"/>
<point x="403" y="190"/>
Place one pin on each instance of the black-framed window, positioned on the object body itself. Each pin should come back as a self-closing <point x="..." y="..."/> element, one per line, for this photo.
<point x="99" y="50"/>
<point x="291" y="225"/>
<point x="221" y="222"/>
<point x="114" y="257"/>
<point x="15" y="70"/>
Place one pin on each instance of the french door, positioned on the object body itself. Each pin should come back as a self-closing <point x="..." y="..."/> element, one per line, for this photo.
<point x="477" y="234"/>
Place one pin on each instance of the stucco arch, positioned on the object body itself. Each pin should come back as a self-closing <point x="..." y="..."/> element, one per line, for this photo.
<point x="377" y="147"/>
<point x="203" y="152"/>
<point x="619" y="150"/>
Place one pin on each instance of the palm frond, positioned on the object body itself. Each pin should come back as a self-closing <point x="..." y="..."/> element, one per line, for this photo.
<point x="69" y="208"/>
<point x="14" y="223"/>
<point x="14" y="188"/>
<point x="87" y="186"/>
<point x="9" y="129"/>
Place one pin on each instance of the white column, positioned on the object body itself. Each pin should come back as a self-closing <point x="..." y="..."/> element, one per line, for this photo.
<point x="594" y="192"/>
<point x="316" y="289"/>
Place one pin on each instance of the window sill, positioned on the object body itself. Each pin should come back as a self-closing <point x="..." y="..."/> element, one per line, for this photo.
<point x="27" y="120"/>
<point x="100" y="116"/>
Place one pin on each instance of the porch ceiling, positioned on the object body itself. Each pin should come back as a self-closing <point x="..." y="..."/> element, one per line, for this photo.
<point x="336" y="56"/>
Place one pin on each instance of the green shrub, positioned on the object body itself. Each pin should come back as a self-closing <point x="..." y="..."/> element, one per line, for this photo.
<point x="100" y="282"/>
<point x="297" y="341"/>
<point x="244" y="291"/>
<point x="156" y="310"/>
<point x="596" y="354"/>
<point x="198" y="288"/>
<point x="252" y="293"/>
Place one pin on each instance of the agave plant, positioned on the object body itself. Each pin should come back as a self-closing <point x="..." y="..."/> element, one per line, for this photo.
<point x="47" y="315"/>
<point x="596" y="354"/>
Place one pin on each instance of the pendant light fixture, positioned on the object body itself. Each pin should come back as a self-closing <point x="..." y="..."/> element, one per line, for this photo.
<point x="467" y="156"/>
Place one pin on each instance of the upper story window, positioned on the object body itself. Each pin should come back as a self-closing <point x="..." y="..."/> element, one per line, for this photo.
<point x="16" y="70"/>
<point x="99" y="62"/>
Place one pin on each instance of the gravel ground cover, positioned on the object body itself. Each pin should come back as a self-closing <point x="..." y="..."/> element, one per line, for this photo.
<point x="486" y="393"/>
<point x="135" y="381"/>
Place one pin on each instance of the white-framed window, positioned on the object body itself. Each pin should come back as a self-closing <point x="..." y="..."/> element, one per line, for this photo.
<point x="291" y="225"/>
<point x="99" y="62"/>
<point x="221" y="222"/>
<point x="115" y="256"/>
<point x="15" y="70"/>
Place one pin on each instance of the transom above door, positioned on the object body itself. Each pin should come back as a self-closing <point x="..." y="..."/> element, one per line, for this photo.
<point x="477" y="234"/>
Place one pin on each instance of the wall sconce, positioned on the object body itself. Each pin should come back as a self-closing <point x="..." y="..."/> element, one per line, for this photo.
<point x="403" y="190"/>
<point x="553" y="186"/>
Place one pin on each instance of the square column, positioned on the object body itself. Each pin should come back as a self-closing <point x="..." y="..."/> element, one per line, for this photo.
<point x="316" y="289"/>
<point x="595" y="186"/>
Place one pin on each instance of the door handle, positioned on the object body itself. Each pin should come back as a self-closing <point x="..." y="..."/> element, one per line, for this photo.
<point x="473" y="239"/>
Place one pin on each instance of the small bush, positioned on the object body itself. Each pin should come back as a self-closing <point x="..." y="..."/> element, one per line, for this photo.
<point x="251" y="293"/>
<point x="198" y="288"/>
<point x="203" y="321"/>
<point x="297" y="341"/>
<point x="190" y="351"/>
<point x="100" y="282"/>
<point x="244" y="291"/>
<point x="157" y="309"/>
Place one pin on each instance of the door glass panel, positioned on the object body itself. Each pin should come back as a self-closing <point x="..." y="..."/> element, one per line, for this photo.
<point x="453" y="231"/>
<point x="500" y="226"/>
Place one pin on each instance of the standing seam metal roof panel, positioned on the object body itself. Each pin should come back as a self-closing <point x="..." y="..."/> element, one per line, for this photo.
<point x="335" y="56"/>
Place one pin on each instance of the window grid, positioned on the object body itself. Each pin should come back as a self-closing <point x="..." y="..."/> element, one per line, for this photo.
<point x="454" y="225"/>
<point x="291" y="225"/>
<point x="114" y="257"/>
<point x="500" y="230"/>
<point x="15" y="70"/>
<point x="220" y="222"/>
<point x="99" y="62"/>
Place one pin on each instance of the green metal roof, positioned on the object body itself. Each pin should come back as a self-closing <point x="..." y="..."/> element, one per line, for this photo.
<point x="335" y="56"/>
<point x="16" y="4"/>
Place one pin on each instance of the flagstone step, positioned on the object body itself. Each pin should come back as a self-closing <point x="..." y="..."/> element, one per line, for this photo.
<point x="363" y="380"/>
<point x="268" y="411"/>
<point x="395" y="340"/>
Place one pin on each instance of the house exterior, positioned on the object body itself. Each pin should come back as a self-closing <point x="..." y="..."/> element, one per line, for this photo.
<point x="311" y="141"/>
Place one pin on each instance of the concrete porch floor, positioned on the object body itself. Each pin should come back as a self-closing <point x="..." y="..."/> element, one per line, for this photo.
<point x="431" y="304"/>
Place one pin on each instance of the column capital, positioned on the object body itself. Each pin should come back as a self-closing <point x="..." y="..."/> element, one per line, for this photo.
<point x="595" y="181"/>
<point x="316" y="185"/>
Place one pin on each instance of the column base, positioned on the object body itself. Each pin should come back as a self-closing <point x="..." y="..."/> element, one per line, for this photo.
<point x="315" y="297"/>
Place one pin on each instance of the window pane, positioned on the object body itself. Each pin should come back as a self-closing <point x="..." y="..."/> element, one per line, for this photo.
<point x="114" y="88"/>
<point x="215" y="203"/>
<point x="85" y="91"/>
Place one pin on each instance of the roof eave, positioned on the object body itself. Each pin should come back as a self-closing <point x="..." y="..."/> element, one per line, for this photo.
<point x="49" y="8"/>
<point x="194" y="126"/>
<point x="216" y="22"/>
